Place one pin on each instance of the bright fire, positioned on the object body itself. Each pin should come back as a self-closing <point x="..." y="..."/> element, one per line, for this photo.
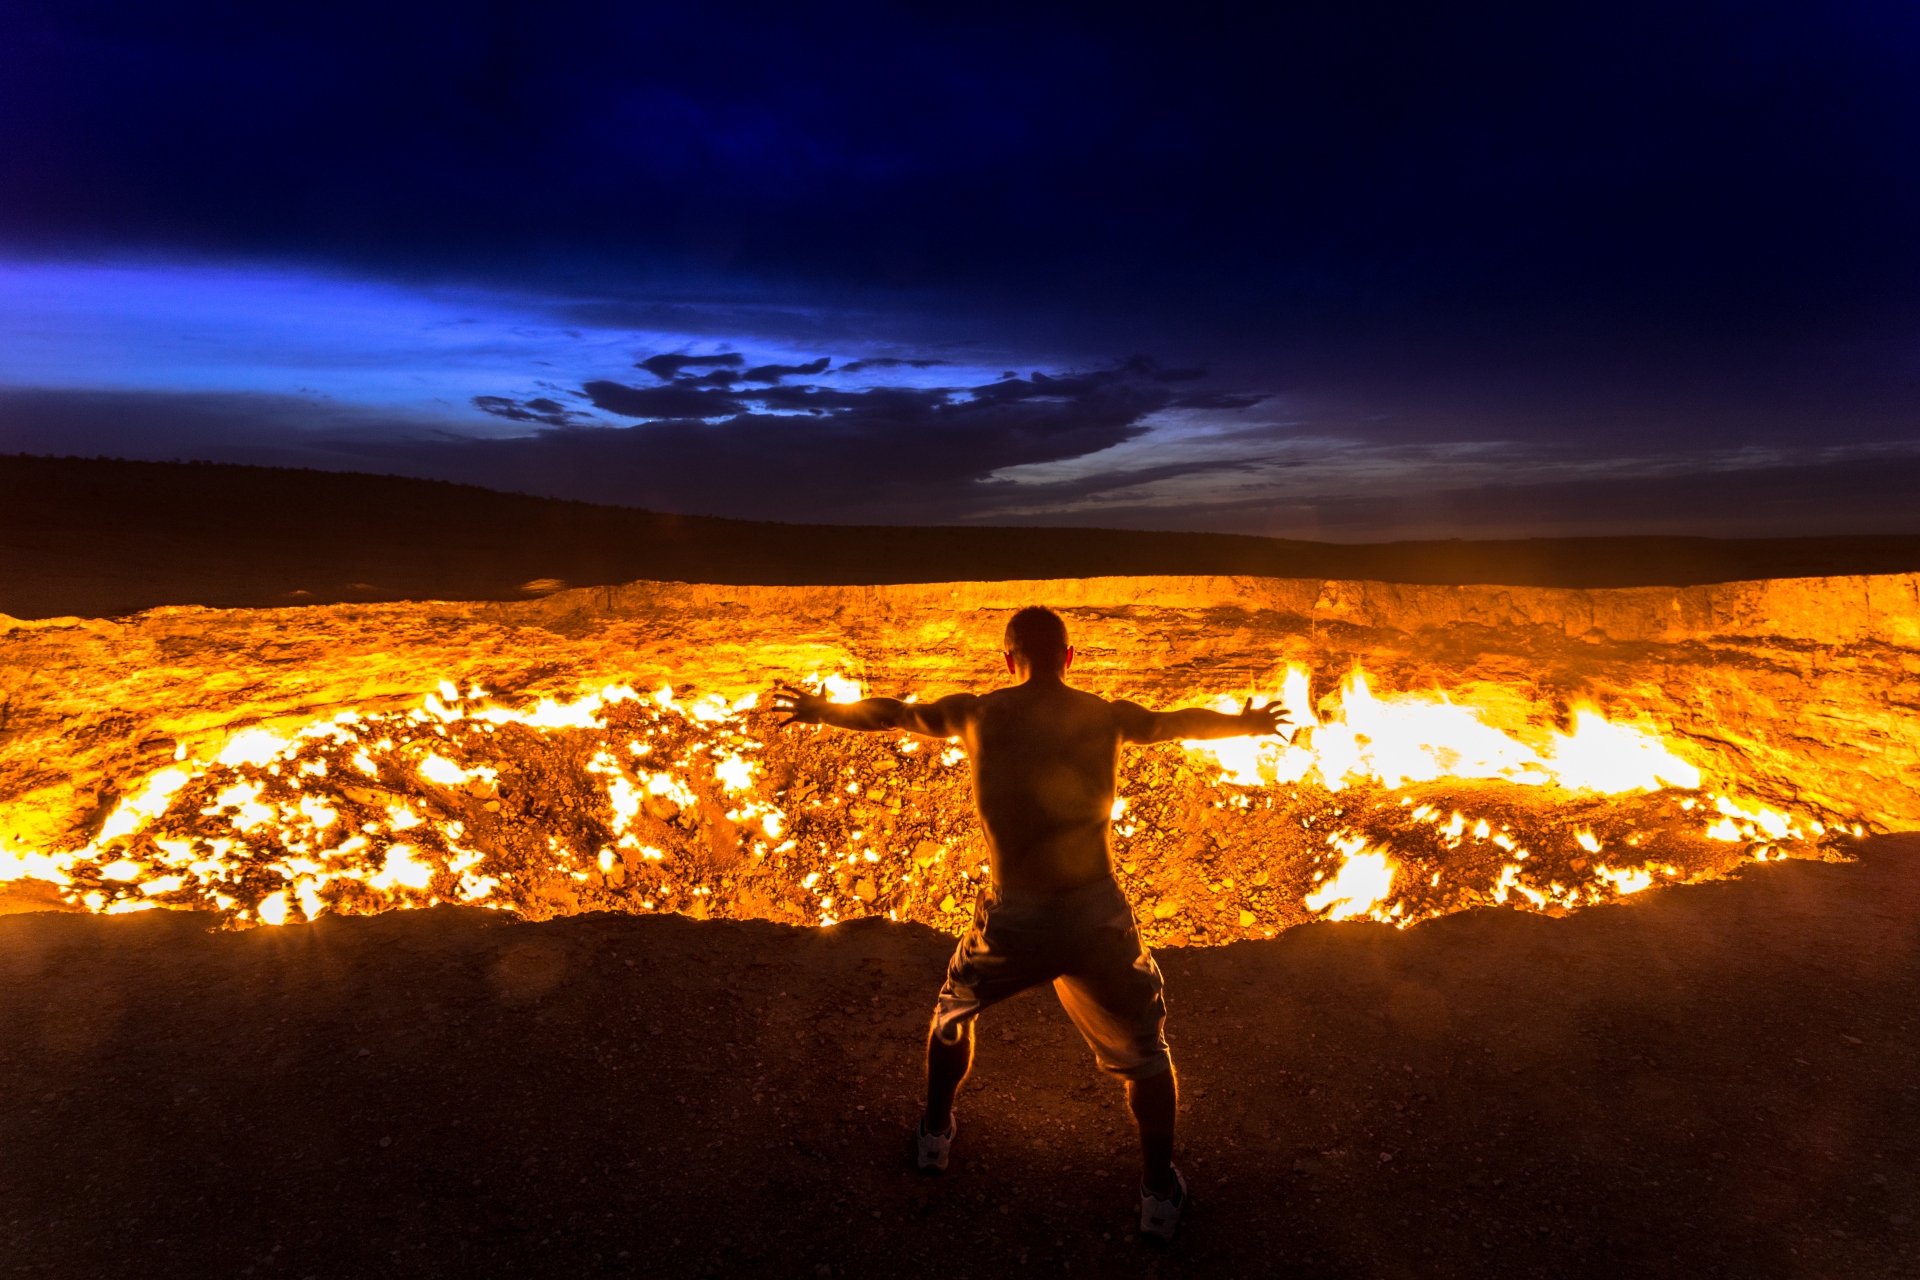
<point x="1392" y="808"/>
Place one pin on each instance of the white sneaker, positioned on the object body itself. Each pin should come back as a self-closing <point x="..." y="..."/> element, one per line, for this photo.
<point x="933" y="1146"/>
<point x="1159" y="1219"/>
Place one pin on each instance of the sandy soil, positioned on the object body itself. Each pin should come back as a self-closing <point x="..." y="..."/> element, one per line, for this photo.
<point x="1708" y="1080"/>
<point x="97" y="537"/>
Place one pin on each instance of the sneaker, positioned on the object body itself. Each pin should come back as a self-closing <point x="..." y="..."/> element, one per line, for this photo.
<point x="933" y="1147"/>
<point x="1160" y="1218"/>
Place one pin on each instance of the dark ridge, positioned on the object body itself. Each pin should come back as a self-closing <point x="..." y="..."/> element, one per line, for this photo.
<point x="100" y="537"/>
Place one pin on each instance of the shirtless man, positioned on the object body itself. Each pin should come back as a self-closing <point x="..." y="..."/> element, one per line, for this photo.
<point x="1045" y="759"/>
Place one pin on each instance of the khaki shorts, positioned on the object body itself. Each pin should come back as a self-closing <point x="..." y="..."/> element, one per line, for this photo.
<point x="1084" y="942"/>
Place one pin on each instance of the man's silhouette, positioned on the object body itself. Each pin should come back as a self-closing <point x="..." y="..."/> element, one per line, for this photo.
<point x="1045" y="760"/>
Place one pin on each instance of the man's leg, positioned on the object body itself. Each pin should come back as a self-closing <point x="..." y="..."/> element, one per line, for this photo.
<point x="1155" y="1103"/>
<point x="947" y="1067"/>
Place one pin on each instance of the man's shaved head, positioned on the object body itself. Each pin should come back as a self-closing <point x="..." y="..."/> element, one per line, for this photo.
<point x="1038" y="636"/>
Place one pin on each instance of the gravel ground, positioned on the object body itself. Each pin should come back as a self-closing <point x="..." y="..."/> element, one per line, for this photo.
<point x="1714" y="1079"/>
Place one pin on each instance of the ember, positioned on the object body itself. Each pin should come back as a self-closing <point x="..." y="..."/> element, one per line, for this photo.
<point x="1393" y="807"/>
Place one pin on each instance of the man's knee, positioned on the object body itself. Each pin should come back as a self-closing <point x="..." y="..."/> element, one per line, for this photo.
<point x="1152" y="1071"/>
<point x="953" y="1032"/>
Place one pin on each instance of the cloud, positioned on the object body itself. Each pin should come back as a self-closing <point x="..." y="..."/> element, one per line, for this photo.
<point x="889" y="362"/>
<point x="1219" y="399"/>
<point x="675" y="400"/>
<point x="807" y="452"/>
<point x="667" y="367"/>
<point x="775" y="372"/>
<point x="1148" y="367"/>
<point x="542" y="410"/>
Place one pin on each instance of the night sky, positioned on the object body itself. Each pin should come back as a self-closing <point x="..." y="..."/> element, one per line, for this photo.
<point x="1344" y="271"/>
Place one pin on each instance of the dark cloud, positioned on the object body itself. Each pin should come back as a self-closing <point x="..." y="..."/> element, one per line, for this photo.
<point x="541" y="409"/>
<point x="775" y="372"/>
<point x="1148" y="367"/>
<point x="804" y="451"/>
<point x="889" y="362"/>
<point x="666" y="367"/>
<point x="1064" y="386"/>
<point x="1220" y="400"/>
<point x="887" y="454"/>
<point x="675" y="400"/>
<point x="916" y="412"/>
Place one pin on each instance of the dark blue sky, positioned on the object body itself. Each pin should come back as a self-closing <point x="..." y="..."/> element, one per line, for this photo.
<point x="1345" y="271"/>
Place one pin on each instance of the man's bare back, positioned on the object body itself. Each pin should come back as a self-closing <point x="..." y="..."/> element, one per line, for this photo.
<point x="1046" y="760"/>
<point x="1045" y="763"/>
<point x="1045" y="757"/>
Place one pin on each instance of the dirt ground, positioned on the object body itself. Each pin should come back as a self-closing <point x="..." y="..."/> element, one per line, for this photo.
<point x="1714" y="1079"/>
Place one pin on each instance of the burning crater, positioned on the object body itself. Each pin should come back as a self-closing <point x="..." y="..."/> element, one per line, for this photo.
<point x="609" y="749"/>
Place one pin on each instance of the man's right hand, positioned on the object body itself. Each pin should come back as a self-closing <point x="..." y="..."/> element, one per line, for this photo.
<point x="800" y="706"/>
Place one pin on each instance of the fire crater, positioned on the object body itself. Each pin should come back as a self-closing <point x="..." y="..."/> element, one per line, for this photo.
<point x="519" y="791"/>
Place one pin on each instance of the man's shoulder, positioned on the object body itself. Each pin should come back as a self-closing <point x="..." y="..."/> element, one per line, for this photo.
<point x="957" y="704"/>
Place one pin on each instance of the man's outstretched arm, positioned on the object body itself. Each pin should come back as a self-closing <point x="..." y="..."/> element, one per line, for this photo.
<point x="1137" y="724"/>
<point x="940" y="719"/>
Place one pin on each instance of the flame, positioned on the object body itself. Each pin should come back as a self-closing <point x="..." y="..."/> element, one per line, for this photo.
<point x="1625" y="881"/>
<point x="836" y="687"/>
<point x="1423" y="737"/>
<point x="1613" y="758"/>
<point x="362" y="812"/>
<point x="1364" y="880"/>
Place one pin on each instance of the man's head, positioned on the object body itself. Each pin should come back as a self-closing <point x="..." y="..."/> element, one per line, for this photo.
<point x="1036" y="643"/>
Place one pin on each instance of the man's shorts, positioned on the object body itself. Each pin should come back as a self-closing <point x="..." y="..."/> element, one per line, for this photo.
<point x="1084" y="942"/>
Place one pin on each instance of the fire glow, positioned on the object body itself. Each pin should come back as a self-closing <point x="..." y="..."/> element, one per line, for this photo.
<point x="1392" y="808"/>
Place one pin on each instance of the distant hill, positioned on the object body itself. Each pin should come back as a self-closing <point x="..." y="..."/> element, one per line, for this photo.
<point x="99" y="537"/>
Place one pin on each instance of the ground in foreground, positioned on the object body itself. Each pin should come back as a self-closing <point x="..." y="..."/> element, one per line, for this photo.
<point x="1708" y="1080"/>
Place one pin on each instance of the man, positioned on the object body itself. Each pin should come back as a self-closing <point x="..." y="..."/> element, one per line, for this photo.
<point x="1045" y="760"/>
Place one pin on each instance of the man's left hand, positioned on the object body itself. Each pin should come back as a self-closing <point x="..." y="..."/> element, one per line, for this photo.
<point x="1260" y="720"/>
